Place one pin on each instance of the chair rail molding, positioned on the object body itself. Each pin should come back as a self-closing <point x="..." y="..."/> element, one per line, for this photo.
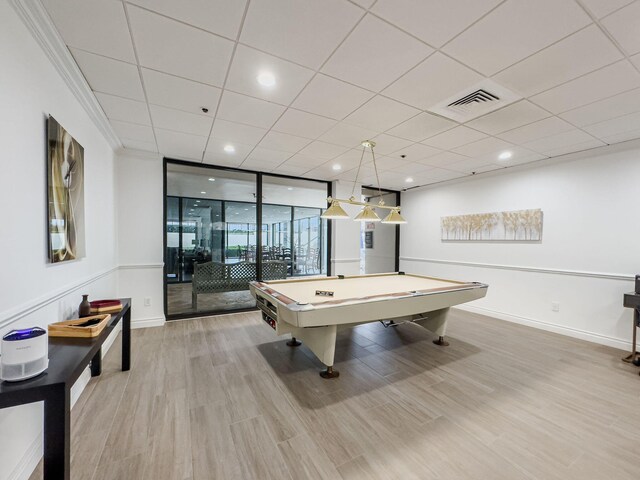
<point x="345" y="260"/>
<point x="10" y="316"/>
<point x="522" y="268"/>
<point x="37" y="20"/>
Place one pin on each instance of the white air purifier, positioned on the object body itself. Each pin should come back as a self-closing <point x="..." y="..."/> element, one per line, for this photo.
<point x="25" y="354"/>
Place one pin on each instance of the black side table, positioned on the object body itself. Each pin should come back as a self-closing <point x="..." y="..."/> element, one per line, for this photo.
<point x="632" y="300"/>
<point x="68" y="357"/>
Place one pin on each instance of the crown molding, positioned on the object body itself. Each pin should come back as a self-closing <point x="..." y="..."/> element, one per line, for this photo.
<point x="37" y="20"/>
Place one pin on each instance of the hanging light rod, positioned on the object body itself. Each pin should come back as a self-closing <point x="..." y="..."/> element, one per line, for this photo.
<point x="368" y="214"/>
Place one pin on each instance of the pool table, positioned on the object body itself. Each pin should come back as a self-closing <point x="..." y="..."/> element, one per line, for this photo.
<point x="314" y="309"/>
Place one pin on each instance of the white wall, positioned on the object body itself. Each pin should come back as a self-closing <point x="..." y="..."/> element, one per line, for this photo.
<point x="33" y="292"/>
<point x="345" y="234"/>
<point x="587" y="257"/>
<point x="140" y="235"/>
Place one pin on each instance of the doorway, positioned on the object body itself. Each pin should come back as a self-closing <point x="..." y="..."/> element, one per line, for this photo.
<point x="380" y="242"/>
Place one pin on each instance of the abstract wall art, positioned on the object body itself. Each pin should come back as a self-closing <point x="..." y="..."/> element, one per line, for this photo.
<point x="513" y="226"/>
<point x="65" y="194"/>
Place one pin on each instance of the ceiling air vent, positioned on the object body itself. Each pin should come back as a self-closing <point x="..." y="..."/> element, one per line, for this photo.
<point x="473" y="102"/>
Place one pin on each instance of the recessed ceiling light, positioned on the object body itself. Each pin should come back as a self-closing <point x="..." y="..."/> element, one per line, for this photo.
<point x="505" y="155"/>
<point x="337" y="167"/>
<point x="203" y="193"/>
<point x="212" y="179"/>
<point x="290" y="188"/>
<point x="408" y="180"/>
<point x="237" y="213"/>
<point x="266" y="79"/>
<point x="229" y="148"/>
<point x="246" y="209"/>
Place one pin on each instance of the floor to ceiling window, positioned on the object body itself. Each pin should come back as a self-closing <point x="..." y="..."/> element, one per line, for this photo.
<point x="216" y="244"/>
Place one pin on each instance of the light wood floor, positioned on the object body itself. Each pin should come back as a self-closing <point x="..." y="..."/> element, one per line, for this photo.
<point x="223" y="398"/>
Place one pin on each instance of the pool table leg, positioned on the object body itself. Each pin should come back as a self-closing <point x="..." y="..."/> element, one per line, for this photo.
<point x="294" y="342"/>
<point x="436" y="322"/>
<point x="329" y="373"/>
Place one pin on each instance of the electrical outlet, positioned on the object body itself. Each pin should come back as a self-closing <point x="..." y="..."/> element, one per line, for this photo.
<point x="555" y="306"/>
<point x="147" y="301"/>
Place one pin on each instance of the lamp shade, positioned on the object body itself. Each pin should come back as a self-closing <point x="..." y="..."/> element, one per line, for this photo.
<point x="334" y="212"/>
<point x="394" y="217"/>
<point x="367" y="215"/>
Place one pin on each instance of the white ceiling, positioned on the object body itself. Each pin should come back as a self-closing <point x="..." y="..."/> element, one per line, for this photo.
<point x="352" y="70"/>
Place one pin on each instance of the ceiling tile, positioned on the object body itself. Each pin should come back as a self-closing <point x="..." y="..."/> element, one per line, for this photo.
<point x="139" y="145"/>
<point x="179" y="93"/>
<point x="249" y="63"/>
<point x="483" y="147"/>
<point x="350" y="159"/>
<point x="215" y="152"/>
<point x="453" y="138"/>
<point x="432" y="21"/>
<point x="173" y="47"/>
<point x="396" y="164"/>
<point x="283" y="142"/>
<point x="560" y="142"/>
<point x="299" y="160"/>
<point x="601" y="8"/>
<point x="93" y="25"/>
<point x="387" y="144"/>
<point x="509" y="117"/>
<point x="303" y="124"/>
<point x="347" y="135"/>
<point x="124" y="109"/>
<point x="251" y="111"/>
<point x="233" y="133"/>
<point x="266" y="156"/>
<point x="606" y="82"/>
<point x="621" y="137"/>
<point x="330" y="97"/>
<point x="375" y="54"/>
<point x="436" y="175"/>
<point x="218" y="16"/>
<point x="582" y="52"/>
<point x="515" y="30"/>
<point x="133" y="131"/>
<point x="179" y="121"/>
<point x="635" y="60"/>
<point x="287" y="169"/>
<point x="180" y="145"/>
<point x="380" y="114"/>
<point x="422" y="126"/>
<point x="623" y="25"/>
<point x="418" y="152"/>
<point x="579" y="147"/>
<point x="303" y="31"/>
<point x="110" y="76"/>
<point x="472" y="165"/>
<point x="434" y="80"/>
<point x="444" y="159"/>
<point x="323" y="150"/>
<point x="534" y="131"/>
<point x="615" y="126"/>
<point x="616" y="106"/>
<point x="519" y="155"/>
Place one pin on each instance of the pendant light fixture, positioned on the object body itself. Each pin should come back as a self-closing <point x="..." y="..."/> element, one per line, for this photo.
<point x="367" y="214"/>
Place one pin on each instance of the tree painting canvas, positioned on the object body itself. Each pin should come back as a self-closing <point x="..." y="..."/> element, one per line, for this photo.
<point x="65" y="194"/>
<point x="514" y="226"/>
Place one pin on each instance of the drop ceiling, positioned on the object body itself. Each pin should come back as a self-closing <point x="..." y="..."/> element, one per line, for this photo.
<point x="352" y="70"/>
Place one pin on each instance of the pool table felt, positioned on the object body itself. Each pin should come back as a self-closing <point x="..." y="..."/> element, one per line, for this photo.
<point x="350" y="288"/>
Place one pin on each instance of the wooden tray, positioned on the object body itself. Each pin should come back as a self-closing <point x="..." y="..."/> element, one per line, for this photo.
<point x="68" y="328"/>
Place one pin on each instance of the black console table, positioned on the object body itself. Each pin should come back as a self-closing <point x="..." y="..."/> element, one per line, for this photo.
<point x="632" y="300"/>
<point x="68" y="357"/>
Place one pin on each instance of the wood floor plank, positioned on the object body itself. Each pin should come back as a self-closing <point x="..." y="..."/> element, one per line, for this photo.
<point x="224" y="398"/>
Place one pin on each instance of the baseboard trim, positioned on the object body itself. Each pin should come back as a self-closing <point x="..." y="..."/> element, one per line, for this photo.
<point x="148" y="322"/>
<point x="521" y="268"/>
<point x="29" y="460"/>
<point x="11" y="316"/>
<point x="550" y="327"/>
